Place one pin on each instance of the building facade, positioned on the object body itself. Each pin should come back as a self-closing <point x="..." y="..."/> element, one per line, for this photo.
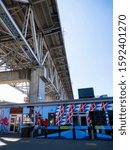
<point x="67" y="119"/>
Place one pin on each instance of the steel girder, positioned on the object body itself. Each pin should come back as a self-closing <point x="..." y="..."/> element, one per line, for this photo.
<point x="26" y="43"/>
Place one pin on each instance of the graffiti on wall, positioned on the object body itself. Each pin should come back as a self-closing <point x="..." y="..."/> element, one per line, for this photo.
<point x="39" y="120"/>
<point x="4" y="119"/>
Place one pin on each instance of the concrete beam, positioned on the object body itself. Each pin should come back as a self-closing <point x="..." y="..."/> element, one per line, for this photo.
<point x="37" y="86"/>
<point x="16" y="76"/>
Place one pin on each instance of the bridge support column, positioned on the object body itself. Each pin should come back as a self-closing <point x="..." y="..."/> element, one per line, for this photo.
<point x="37" y="87"/>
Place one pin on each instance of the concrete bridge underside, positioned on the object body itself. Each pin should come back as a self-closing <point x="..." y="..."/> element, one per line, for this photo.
<point x="32" y="52"/>
<point x="33" y="83"/>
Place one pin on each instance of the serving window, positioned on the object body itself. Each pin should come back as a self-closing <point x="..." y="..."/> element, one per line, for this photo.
<point x="98" y="117"/>
<point x="110" y="116"/>
<point x="28" y="119"/>
<point x="79" y="119"/>
<point x="28" y="116"/>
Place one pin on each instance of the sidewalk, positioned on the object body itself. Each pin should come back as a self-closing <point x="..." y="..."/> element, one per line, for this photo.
<point x="14" y="142"/>
<point x="13" y="135"/>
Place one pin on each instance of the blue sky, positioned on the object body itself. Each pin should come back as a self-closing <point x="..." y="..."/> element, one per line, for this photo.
<point x="87" y="31"/>
<point x="87" y="28"/>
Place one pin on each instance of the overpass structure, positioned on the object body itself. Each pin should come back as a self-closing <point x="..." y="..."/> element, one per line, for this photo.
<point x="32" y="51"/>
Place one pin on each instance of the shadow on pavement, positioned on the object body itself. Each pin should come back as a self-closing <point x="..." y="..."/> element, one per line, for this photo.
<point x="15" y="142"/>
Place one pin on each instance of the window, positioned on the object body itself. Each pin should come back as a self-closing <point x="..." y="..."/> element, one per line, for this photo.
<point x="98" y="117"/>
<point x="83" y="120"/>
<point x="75" y="120"/>
<point x="28" y="119"/>
<point x="79" y="119"/>
<point x="51" y="117"/>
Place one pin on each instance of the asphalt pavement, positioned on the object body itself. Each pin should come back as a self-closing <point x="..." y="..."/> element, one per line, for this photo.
<point x="17" y="143"/>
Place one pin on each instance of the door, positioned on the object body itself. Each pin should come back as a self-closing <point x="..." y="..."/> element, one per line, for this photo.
<point x="51" y="118"/>
<point x="83" y="120"/>
<point x="14" y="123"/>
<point x="75" y="120"/>
<point x="79" y="120"/>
